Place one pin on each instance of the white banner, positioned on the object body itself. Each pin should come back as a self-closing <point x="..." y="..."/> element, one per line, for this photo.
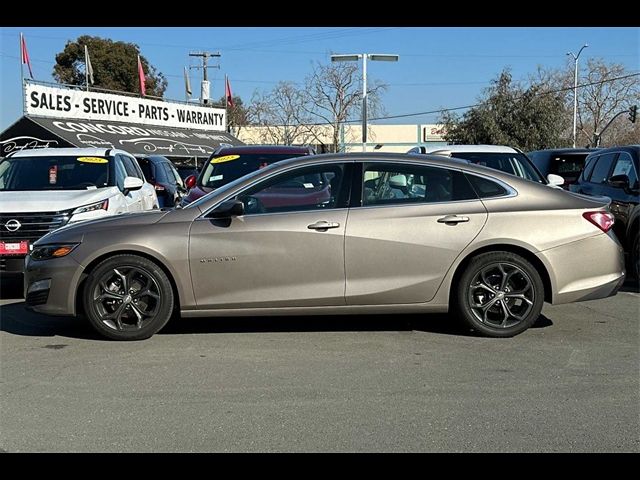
<point x="45" y="101"/>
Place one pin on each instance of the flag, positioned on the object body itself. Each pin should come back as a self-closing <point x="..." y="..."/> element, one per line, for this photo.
<point x="143" y="86"/>
<point x="187" y="83"/>
<point x="227" y="92"/>
<point x="87" y="65"/>
<point x="24" y="54"/>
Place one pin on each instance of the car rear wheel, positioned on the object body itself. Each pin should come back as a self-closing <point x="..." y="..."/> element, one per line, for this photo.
<point x="500" y="294"/>
<point x="635" y="257"/>
<point x="128" y="297"/>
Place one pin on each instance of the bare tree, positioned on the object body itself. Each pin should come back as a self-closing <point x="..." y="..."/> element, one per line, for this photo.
<point x="334" y="95"/>
<point x="602" y="98"/>
<point x="282" y="114"/>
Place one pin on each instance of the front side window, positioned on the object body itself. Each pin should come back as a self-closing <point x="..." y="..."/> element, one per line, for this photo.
<point x="309" y="188"/>
<point x="402" y="184"/>
<point x="129" y="166"/>
<point x="602" y="168"/>
<point x="54" y="173"/>
<point x="625" y="166"/>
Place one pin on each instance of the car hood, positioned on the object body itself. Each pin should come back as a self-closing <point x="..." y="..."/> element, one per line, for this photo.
<point x="51" y="200"/>
<point x="74" y="232"/>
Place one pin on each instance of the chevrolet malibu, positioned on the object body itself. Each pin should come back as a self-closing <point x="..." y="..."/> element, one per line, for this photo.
<point x="337" y="234"/>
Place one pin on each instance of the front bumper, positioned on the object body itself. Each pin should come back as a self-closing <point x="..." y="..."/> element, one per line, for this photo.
<point x="588" y="269"/>
<point x="11" y="264"/>
<point x="64" y="275"/>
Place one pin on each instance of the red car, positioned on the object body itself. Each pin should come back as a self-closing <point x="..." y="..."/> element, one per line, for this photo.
<point x="229" y="163"/>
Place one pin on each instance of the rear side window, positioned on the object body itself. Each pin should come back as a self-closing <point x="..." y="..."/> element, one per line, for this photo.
<point x="486" y="188"/>
<point x="145" y="165"/>
<point x="397" y="184"/>
<point x="602" y="168"/>
<point x="588" y="168"/>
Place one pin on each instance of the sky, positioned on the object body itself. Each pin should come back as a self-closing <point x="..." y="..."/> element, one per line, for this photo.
<point x="439" y="67"/>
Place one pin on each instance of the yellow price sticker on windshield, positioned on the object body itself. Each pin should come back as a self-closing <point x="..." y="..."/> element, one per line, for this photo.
<point x="226" y="158"/>
<point x="92" y="160"/>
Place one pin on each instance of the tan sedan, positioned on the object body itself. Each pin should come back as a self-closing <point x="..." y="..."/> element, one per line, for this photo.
<point x="337" y="234"/>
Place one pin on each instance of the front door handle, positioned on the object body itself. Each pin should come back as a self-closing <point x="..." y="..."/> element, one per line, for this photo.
<point x="323" y="226"/>
<point x="453" y="219"/>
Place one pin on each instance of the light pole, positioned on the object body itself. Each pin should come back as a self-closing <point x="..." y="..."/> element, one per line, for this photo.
<point x="354" y="58"/>
<point x="575" y="90"/>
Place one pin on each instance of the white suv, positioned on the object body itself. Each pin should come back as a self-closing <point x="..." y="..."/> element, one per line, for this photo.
<point x="44" y="189"/>
<point x="499" y="157"/>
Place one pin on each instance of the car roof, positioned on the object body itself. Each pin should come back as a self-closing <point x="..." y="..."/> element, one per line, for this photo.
<point x="268" y="149"/>
<point x="566" y="151"/>
<point x="473" y="149"/>
<point x="64" y="152"/>
<point x="625" y="148"/>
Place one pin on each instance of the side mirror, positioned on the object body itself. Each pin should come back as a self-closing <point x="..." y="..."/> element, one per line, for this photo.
<point x="132" y="184"/>
<point x="555" y="180"/>
<point x="619" y="181"/>
<point x="228" y="209"/>
<point x="190" y="181"/>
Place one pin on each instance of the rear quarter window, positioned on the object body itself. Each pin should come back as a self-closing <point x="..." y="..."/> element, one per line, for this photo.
<point x="486" y="188"/>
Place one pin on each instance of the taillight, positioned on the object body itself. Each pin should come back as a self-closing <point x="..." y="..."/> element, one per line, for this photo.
<point x="603" y="220"/>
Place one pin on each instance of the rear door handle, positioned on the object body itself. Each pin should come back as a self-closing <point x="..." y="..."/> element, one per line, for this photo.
<point x="453" y="219"/>
<point x="323" y="225"/>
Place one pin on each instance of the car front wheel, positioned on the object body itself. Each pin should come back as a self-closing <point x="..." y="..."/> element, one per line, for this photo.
<point x="500" y="294"/>
<point x="128" y="297"/>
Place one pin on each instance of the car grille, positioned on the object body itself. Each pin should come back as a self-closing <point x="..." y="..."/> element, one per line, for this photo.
<point x="32" y="225"/>
<point x="37" y="298"/>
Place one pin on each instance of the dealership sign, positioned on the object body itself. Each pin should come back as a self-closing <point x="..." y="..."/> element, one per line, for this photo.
<point x="61" y="103"/>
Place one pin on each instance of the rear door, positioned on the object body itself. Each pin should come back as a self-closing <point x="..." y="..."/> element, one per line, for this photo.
<point x="405" y="231"/>
<point x="596" y="183"/>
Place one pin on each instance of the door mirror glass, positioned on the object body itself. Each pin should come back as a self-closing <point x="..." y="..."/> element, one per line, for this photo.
<point x="555" y="180"/>
<point x="619" y="181"/>
<point x="228" y="209"/>
<point x="132" y="183"/>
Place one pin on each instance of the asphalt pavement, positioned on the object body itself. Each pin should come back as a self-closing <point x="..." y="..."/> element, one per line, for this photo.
<point x="306" y="384"/>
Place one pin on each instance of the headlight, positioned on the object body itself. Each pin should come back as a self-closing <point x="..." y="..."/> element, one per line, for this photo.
<point x="101" y="205"/>
<point x="45" y="252"/>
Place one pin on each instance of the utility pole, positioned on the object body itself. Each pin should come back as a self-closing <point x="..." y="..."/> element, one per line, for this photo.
<point x="204" y="90"/>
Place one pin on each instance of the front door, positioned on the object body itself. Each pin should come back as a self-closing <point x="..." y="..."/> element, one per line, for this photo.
<point x="286" y="250"/>
<point x="412" y="224"/>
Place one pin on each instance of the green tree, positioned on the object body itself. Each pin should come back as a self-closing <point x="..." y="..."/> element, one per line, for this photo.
<point x="115" y="66"/>
<point x="529" y="118"/>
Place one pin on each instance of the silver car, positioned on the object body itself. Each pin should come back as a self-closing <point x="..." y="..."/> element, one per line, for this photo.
<point x="337" y="234"/>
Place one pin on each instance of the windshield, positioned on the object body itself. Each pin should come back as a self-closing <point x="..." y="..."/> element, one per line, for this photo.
<point x="229" y="186"/>
<point x="514" y="163"/>
<point x="567" y="166"/>
<point x="53" y="173"/>
<point x="223" y="169"/>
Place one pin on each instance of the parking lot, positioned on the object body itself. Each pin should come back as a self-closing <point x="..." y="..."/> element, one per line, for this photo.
<point x="365" y="383"/>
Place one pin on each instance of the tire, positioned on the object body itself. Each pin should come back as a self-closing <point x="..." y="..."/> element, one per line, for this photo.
<point x="481" y="309"/>
<point x="136" y="313"/>
<point x="635" y="257"/>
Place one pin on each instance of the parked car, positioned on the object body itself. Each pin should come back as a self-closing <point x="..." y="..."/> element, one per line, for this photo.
<point x="186" y="171"/>
<point x="613" y="172"/>
<point x="565" y="162"/>
<point x="503" y="158"/>
<point x="229" y="163"/>
<point x="429" y="234"/>
<point x="44" y="189"/>
<point x="160" y="172"/>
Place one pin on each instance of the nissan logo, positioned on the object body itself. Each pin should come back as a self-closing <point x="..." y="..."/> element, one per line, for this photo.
<point x="12" y="225"/>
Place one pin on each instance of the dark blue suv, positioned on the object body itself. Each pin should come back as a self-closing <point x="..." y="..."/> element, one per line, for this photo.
<point x="613" y="173"/>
